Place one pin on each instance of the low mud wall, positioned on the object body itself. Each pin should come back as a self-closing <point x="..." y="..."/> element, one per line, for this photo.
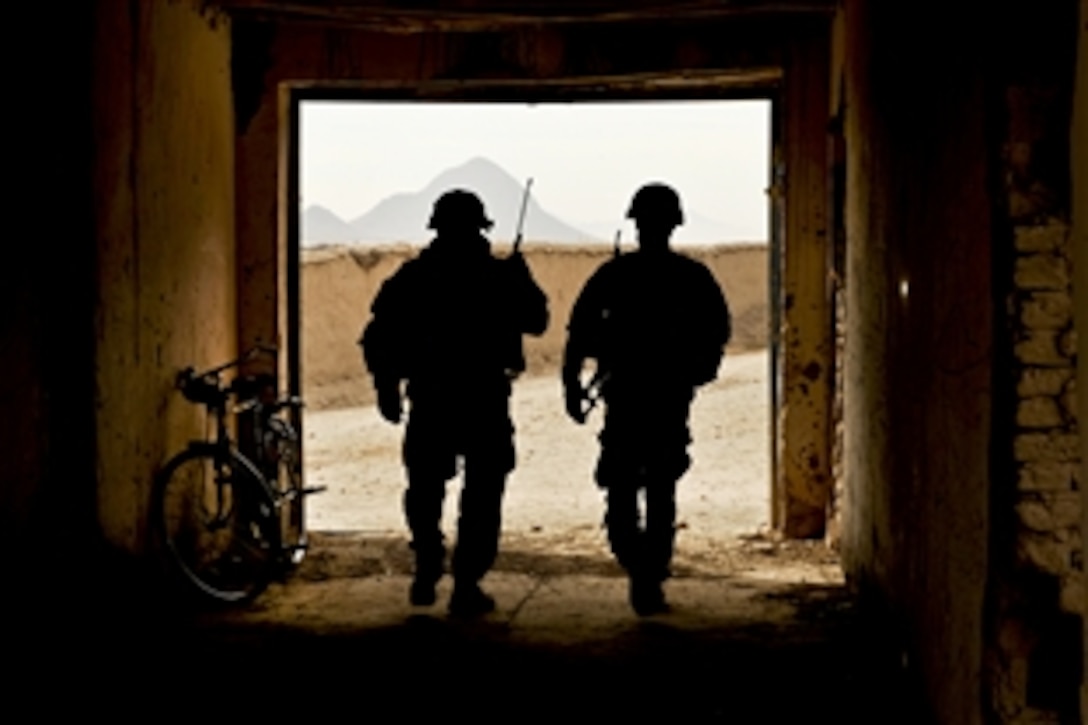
<point x="339" y="284"/>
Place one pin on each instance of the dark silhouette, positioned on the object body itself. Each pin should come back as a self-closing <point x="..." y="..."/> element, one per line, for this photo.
<point x="448" y="324"/>
<point x="656" y="323"/>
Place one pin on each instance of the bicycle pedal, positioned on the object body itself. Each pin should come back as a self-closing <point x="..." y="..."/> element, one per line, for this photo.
<point x="307" y="490"/>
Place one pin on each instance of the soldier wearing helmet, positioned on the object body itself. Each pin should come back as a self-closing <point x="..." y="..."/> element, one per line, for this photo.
<point x="655" y="324"/>
<point x="440" y="335"/>
<point x="459" y="210"/>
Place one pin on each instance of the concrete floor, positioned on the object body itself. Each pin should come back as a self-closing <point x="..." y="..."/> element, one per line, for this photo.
<point x="770" y="642"/>
<point x="338" y="639"/>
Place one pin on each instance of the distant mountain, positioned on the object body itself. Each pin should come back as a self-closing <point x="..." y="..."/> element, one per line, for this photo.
<point x="321" y="226"/>
<point x="403" y="217"/>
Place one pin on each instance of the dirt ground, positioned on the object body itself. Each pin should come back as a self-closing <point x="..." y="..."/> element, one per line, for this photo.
<point x="552" y="506"/>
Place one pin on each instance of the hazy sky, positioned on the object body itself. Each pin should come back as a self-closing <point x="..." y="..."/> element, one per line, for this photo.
<point x="586" y="160"/>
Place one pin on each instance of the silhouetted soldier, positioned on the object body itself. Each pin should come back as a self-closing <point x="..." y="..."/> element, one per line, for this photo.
<point x="656" y="323"/>
<point x="448" y="324"/>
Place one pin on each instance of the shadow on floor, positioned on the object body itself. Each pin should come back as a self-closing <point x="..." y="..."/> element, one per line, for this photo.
<point x="562" y="645"/>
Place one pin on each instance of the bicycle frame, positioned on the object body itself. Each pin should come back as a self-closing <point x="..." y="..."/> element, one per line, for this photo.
<point x="205" y="388"/>
<point x="231" y="542"/>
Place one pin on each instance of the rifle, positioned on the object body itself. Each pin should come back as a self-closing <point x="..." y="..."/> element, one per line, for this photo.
<point x="515" y="363"/>
<point x="521" y="214"/>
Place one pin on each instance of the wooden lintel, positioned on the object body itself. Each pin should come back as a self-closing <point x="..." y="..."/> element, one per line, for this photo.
<point x="494" y="15"/>
<point x="753" y="82"/>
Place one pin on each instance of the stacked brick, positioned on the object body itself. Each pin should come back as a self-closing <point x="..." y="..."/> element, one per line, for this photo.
<point x="1048" y="499"/>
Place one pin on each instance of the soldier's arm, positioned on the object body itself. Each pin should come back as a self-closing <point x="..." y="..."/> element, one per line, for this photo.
<point x="587" y="314"/>
<point x="714" y="311"/>
<point x="382" y="347"/>
<point x="581" y="344"/>
<point x="379" y="337"/>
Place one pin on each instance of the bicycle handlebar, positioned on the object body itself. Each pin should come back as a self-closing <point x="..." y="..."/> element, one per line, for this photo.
<point x="204" y="387"/>
<point x="244" y="357"/>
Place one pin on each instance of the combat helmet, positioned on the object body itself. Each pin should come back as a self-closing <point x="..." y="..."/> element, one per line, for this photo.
<point x="459" y="208"/>
<point x="658" y="202"/>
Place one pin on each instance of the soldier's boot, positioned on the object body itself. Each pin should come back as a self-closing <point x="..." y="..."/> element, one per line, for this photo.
<point x="422" y="592"/>
<point x="429" y="569"/>
<point x="646" y="578"/>
<point x="646" y="596"/>
<point x="469" y="600"/>
<point x="470" y="564"/>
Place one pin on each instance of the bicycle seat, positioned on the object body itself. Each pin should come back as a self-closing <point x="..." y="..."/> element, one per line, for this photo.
<point x="205" y="390"/>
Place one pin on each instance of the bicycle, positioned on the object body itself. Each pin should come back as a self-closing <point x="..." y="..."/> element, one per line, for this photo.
<point x="230" y="522"/>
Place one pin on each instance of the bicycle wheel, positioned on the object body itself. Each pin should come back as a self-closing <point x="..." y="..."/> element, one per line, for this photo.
<point x="217" y="524"/>
<point x="288" y="483"/>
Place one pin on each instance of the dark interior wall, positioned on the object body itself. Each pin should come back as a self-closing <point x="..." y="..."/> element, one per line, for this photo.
<point x="1080" y="263"/>
<point x="164" y="195"/>
<point x="1037" y="594"/>
<point x="47" y="288"/>
<point x="123" y="270"/>
<point x="918" y="403"/>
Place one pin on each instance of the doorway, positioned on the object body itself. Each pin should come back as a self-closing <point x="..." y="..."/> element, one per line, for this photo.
<point x="368" y="173"/>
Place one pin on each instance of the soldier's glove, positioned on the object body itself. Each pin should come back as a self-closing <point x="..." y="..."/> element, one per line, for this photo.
<point x="389" y="401"/>
<point x="575" y="399"/>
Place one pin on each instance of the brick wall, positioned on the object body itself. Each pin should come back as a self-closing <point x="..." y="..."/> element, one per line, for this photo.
<point x="1045" y="447"/>
<point x="1038" y="582"/>
<point x="1042" y="595"/>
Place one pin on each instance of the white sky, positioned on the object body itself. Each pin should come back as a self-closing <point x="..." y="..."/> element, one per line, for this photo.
<point x="586" y="159"/>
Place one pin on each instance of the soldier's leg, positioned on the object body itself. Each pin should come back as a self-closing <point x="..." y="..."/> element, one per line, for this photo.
<point x="423" y="512"/>
<point x="480" y="521"/>
<point x="479" y="526"/>
<point x="633" y="547"/>
<point x="667" y="466"/>
<point x="622" y="519"/>
<point x="660" y="533"/>
<point x="430" y="463"/>
<point x="489" y="458"/>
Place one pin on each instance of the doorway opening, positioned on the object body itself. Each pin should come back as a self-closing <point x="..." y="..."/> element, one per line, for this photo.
<point x="368" y="174"/>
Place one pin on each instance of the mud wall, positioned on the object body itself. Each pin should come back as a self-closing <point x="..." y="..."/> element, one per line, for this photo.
<point x="164" y="194"/>
<point x="339" y="284"/>
<point x="918" y="352"/>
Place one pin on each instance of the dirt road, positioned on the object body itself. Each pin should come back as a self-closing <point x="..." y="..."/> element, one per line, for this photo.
<point x="552" y="505"/>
